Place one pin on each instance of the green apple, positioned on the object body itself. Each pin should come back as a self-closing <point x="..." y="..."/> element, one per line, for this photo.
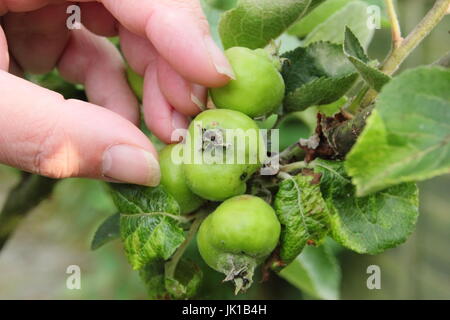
<point x="224" y="149"/>
<point x="258" y="88"/>
<point x="172" y="178"/>
<point x="239" y="235"/>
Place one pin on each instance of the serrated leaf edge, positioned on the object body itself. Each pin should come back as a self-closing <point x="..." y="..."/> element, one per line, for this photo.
<point x="287" y="100"/>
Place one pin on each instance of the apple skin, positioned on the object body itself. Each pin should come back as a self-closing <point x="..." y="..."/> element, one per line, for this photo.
<point x="220" y="181"/>
<point x="173" y="180"/>
<point x="238" y="236"/>
<point x="258" y="88"/>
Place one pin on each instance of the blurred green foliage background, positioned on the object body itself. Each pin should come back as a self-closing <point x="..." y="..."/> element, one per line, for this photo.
<point x="58" y="233"/>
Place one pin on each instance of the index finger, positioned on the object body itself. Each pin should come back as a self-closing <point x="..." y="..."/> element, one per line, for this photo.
<point x="178" y="30"/>
<point x="180" y="33"/>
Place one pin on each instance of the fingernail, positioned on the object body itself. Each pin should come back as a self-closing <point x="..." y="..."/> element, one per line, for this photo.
<point x="179" y="121"/>
<point x="218" y="58"/>
<point x="130" y="164"/>
<point x="198" y="95"/>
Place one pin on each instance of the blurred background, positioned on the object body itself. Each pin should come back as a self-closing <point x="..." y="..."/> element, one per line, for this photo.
<point x="58" y="232"/>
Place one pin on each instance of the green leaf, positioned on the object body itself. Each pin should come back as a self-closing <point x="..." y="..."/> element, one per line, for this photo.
<point x="407" y="137"/>
<point x="321" y="59"/>
<point x="357" y="56"/>
<point x="213" y="16"/>
<point x="187" y="280"/>
<point x="148" y="224"/>
<point x="254" y="23"/>
<point x="318" y="17"/>
<point x="53" y="81"/>
<point x="353" y="15"/>
<point x="222" y="4"/>
<point x="353" y="48"/>
<point x="315" y="75"/>
<point x="302" y="213"/>
<point x="320" y="91"/>
<point x="149" y="237"/>
<point x="268" y="122"/>
<point x="115" y="41"/>
<point x="369" y="224"/>
<point x="331" y="109"/>
<point x="373" y="77"/>
<point x="152" y="274"/>
<point x="320" y="14"/>
<point x="314" y="4"/>
<point x="132" y="199"/>
<point x="316" y="272"/>
<point x="109" y="230"/>
<point x="296" y="125"/>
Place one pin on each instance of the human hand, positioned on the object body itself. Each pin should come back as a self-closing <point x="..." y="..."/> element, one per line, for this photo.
<point x="168" y="42"/>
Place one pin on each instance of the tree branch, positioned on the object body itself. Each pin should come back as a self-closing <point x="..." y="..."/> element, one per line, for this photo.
<point x="428" y="23"/>
<point x="292" y="167"/>
<point x="395" y="25"/>
<point x="342" y="137"/>
<point x="443" y="61"/>
<point x="407" y="45"/>
<point x="171" y="265"/>
<point x="336" y="136"/>
<point x="27" y="194"/>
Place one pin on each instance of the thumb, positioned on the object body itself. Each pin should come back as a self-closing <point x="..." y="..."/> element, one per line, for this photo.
<point x="45" y="134"/>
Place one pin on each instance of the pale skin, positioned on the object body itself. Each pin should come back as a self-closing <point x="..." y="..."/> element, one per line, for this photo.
<point x="166" y="41"/>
